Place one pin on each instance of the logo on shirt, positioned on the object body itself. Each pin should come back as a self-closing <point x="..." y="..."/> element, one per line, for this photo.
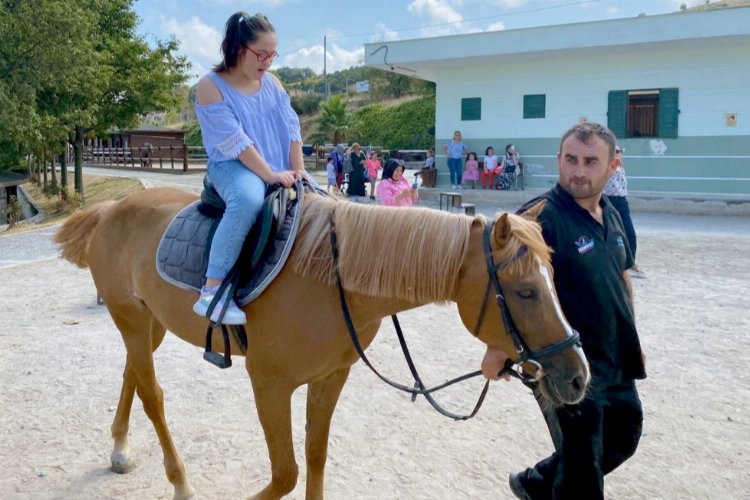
<point x="620" y="241"/>
<point x="584" y="244"/>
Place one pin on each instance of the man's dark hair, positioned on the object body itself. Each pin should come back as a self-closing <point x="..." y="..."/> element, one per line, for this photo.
<point x="586" y="130"/>
<point x="241" y="30"/>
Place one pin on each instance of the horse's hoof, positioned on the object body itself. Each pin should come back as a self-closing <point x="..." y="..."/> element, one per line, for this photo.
<point x="185" y="493"/>
<point x="122" y="464"/>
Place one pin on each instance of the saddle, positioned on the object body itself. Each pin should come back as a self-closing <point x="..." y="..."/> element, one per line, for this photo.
<point x="182" y="255"/>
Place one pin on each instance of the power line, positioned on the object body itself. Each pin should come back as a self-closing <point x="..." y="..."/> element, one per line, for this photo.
<point x="527" y="11"/>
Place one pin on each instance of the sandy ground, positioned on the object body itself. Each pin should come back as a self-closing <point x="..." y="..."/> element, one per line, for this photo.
<point x="61" y="360"/>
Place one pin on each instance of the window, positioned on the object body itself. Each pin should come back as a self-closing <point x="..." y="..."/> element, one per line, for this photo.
<point x="534" y="106"/>
<point x="643" y="113"/>
<point x="471" y="108"/>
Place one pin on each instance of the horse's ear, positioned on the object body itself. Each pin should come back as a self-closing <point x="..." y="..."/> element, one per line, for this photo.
<point x="501" y="231"/>
<point x="532" y="213"/>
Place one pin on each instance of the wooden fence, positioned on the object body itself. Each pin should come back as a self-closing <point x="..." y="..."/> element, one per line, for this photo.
<point x="146" y="156"/>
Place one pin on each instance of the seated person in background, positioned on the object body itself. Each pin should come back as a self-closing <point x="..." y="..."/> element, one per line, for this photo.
<point x="508" y="167"/>
<point x="488" y="171"/>
<point x="471" y="174"/>
<point x="394" y="189"/>
<point x="429" y="162"/>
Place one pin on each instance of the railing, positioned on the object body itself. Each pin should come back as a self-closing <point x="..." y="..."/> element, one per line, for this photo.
<point x="147" y="156"/>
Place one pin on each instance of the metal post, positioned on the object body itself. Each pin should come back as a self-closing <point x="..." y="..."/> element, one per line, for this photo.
<point x="325" y="74"/>
<point x="184" y="157"/>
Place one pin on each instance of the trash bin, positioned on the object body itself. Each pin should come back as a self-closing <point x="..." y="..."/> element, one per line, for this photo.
<point x="429" y="177"/>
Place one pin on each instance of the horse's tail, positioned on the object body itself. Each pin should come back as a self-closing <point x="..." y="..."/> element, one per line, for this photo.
<point x="74" y="236"/>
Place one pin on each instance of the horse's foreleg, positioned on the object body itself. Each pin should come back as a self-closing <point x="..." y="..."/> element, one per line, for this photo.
<point x="322" y="397"/>
<point x="273" y="400"/>
<point x="121" y="459"/>
<point x="139" y="344"/>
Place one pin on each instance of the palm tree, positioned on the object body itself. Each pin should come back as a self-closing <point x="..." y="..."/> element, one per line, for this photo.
<point x="335" y="121"/>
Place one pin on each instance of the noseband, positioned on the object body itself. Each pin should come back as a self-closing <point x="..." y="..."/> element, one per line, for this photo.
<point x="525" y="354"/>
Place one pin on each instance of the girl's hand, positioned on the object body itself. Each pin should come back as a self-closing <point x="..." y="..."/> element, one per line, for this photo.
<point x="285" y="178"/>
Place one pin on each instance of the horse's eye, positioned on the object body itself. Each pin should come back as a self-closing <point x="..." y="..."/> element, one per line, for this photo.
<point x="526" y="294"/>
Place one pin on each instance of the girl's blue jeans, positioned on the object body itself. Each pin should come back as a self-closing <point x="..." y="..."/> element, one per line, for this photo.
<point x="243" y="192"/>
<point x="455" y="166"/>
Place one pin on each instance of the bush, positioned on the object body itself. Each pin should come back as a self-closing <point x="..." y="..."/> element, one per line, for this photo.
<point x="406" y="126"/>
<point x="51" y="189"/>
<point x="13" y="211"/>
<point x="306" y="104"/>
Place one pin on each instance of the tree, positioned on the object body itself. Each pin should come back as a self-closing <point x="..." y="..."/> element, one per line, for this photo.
<point x="100" y="75"/>
<point x="39" y="49"/>
<point x="335" y="121"/>
<point x="293" y="75"/>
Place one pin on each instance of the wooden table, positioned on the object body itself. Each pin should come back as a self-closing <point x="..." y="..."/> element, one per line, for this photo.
<point x="452" y="199"/>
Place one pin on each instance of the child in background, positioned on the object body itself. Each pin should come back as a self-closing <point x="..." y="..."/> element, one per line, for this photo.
<point x="471" y="174"/>
<point x="488" y="172"/>
<point x="331" y="172"/>
<point x="372" y="165"/>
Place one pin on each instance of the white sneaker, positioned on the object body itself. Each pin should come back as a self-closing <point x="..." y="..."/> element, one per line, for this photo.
<point x="233" y="316"/>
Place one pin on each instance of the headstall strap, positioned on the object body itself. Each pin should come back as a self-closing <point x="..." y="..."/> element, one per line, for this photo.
<point x="525" y="354"/>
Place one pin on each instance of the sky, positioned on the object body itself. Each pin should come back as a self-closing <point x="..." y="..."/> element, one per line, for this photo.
<point x="347" y="25"/>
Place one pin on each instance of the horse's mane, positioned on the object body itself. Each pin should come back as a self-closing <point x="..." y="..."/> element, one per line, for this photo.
<point x="413" y="254"/>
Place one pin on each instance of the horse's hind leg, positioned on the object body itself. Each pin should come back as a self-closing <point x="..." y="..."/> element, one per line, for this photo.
<point x="139" y="331"/>
<point x="322" y="397"/>
<point x="121" y="459"/>
<point x="273" y="400"/>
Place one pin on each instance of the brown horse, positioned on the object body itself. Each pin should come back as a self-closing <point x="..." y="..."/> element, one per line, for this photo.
<point x="296" y="332"/>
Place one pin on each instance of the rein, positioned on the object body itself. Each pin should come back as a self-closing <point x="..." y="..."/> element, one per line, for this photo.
<point x="512" y="368"/>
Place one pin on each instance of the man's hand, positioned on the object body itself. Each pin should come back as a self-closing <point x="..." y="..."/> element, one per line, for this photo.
<point x="493" y="361"/>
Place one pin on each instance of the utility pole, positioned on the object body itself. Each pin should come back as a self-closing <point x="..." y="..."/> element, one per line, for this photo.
<point x="325" y="75"/>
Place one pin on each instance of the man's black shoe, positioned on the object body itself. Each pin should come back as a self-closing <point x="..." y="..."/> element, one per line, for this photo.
<point x="516" y="486"/>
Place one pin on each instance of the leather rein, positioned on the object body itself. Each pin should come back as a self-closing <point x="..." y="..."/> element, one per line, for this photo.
<point x="512" y="368"/>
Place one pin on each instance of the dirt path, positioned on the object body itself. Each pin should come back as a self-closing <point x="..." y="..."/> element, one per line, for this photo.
<point x="61" y="360"/>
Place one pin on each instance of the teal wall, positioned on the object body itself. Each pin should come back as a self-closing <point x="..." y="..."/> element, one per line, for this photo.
<point x="719" y="164"/>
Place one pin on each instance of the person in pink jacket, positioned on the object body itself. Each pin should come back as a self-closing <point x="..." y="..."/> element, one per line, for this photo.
<point x="394" y="190"/>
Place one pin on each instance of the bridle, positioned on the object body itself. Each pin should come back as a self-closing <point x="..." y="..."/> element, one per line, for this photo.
<point x="512" y="367"/>
<point x="525" y="354"/>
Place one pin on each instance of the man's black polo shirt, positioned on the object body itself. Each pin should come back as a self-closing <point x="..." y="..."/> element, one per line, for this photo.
<point x="589" y="261"/>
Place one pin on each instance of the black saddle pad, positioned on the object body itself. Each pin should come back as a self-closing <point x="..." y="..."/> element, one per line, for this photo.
<point x="182" y="256"/>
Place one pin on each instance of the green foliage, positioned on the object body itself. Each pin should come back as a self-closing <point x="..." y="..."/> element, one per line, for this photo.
<point x="335" y="122"/>
<point x="52" y="189"/>
<point x="193" y="136"/>
<point x="293" y="75"/>
<point x="406" y="126"/>
<point x="306" y="104"/>
<point x="74" y="67"/>
<point x="13" y="211"/>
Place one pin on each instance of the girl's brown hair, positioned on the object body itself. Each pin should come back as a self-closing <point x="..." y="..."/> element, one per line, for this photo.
<point x="241" y="30"/>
